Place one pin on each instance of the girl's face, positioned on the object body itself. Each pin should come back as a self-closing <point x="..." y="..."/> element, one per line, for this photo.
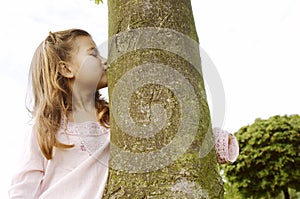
<point x="87" y="64"/>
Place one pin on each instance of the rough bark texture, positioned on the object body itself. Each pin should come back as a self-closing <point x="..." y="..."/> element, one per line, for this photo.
<point x="188" y="175"/>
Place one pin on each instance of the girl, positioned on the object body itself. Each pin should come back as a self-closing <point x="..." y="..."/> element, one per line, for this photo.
<point x="68" y="149"/>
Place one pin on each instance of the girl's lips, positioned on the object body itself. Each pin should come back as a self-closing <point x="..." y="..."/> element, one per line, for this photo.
<point x="106" y="66"/>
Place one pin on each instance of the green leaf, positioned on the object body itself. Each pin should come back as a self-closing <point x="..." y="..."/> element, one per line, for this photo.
<point x="98" y="1"/>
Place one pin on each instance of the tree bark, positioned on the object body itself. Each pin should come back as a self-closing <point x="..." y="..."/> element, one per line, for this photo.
<point x="161" y="136"/>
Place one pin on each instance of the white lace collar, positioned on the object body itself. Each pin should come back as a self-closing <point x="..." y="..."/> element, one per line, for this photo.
<point x="87" y="128"/>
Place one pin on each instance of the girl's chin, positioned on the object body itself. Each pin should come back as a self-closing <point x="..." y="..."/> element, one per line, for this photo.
<point x="101" y="86"/>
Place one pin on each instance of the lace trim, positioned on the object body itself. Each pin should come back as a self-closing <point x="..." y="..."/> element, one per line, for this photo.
<point x="92" y="136"/>
<point x="88" y="128"/>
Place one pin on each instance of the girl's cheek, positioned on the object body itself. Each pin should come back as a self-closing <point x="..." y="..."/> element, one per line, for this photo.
<point x="90" y="70"/>
<point x="92" y="64"/>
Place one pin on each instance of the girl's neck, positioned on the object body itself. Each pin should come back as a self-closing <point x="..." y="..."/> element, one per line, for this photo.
<point x="83" y="106"/>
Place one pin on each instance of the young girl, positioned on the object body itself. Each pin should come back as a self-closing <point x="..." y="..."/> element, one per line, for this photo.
<point x="68" y="150"/>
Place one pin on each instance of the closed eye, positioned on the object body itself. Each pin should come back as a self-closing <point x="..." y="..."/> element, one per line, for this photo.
<point x="94" y="52"/>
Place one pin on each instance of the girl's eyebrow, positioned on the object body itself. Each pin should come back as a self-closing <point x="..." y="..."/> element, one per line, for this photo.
<point x="91" y="48"/>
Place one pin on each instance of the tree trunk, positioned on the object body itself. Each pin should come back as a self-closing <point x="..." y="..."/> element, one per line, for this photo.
<point x="161" y="137"/>
<point x="286" y="193"/>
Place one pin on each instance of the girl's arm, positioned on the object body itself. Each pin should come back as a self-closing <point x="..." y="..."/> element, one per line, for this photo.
<point x="26" y="183"/>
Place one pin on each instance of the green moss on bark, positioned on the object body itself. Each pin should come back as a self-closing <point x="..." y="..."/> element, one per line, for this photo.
<point x="189" y="176"/>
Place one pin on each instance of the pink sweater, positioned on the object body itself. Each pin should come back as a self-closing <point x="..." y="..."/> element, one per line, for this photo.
<point x="80" y="172"/>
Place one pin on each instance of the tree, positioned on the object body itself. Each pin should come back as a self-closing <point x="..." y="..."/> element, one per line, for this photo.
<point x="269" y="158"/>
<point x="161" y="136"/>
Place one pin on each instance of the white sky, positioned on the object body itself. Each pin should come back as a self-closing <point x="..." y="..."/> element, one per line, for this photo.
<point x="253" y="44"/>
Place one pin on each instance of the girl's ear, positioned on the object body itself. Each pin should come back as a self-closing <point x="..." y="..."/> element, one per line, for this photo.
<point x="65" y="70"/>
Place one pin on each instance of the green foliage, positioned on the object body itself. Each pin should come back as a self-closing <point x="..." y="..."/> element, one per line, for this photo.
<point x="98" y="1"/>
<point x="269" y="160"/>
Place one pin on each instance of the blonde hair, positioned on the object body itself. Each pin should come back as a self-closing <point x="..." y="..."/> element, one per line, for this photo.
<point x="52" y="95"/>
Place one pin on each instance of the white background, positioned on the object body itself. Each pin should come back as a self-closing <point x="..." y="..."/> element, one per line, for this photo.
<point x="254" y="45"/>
